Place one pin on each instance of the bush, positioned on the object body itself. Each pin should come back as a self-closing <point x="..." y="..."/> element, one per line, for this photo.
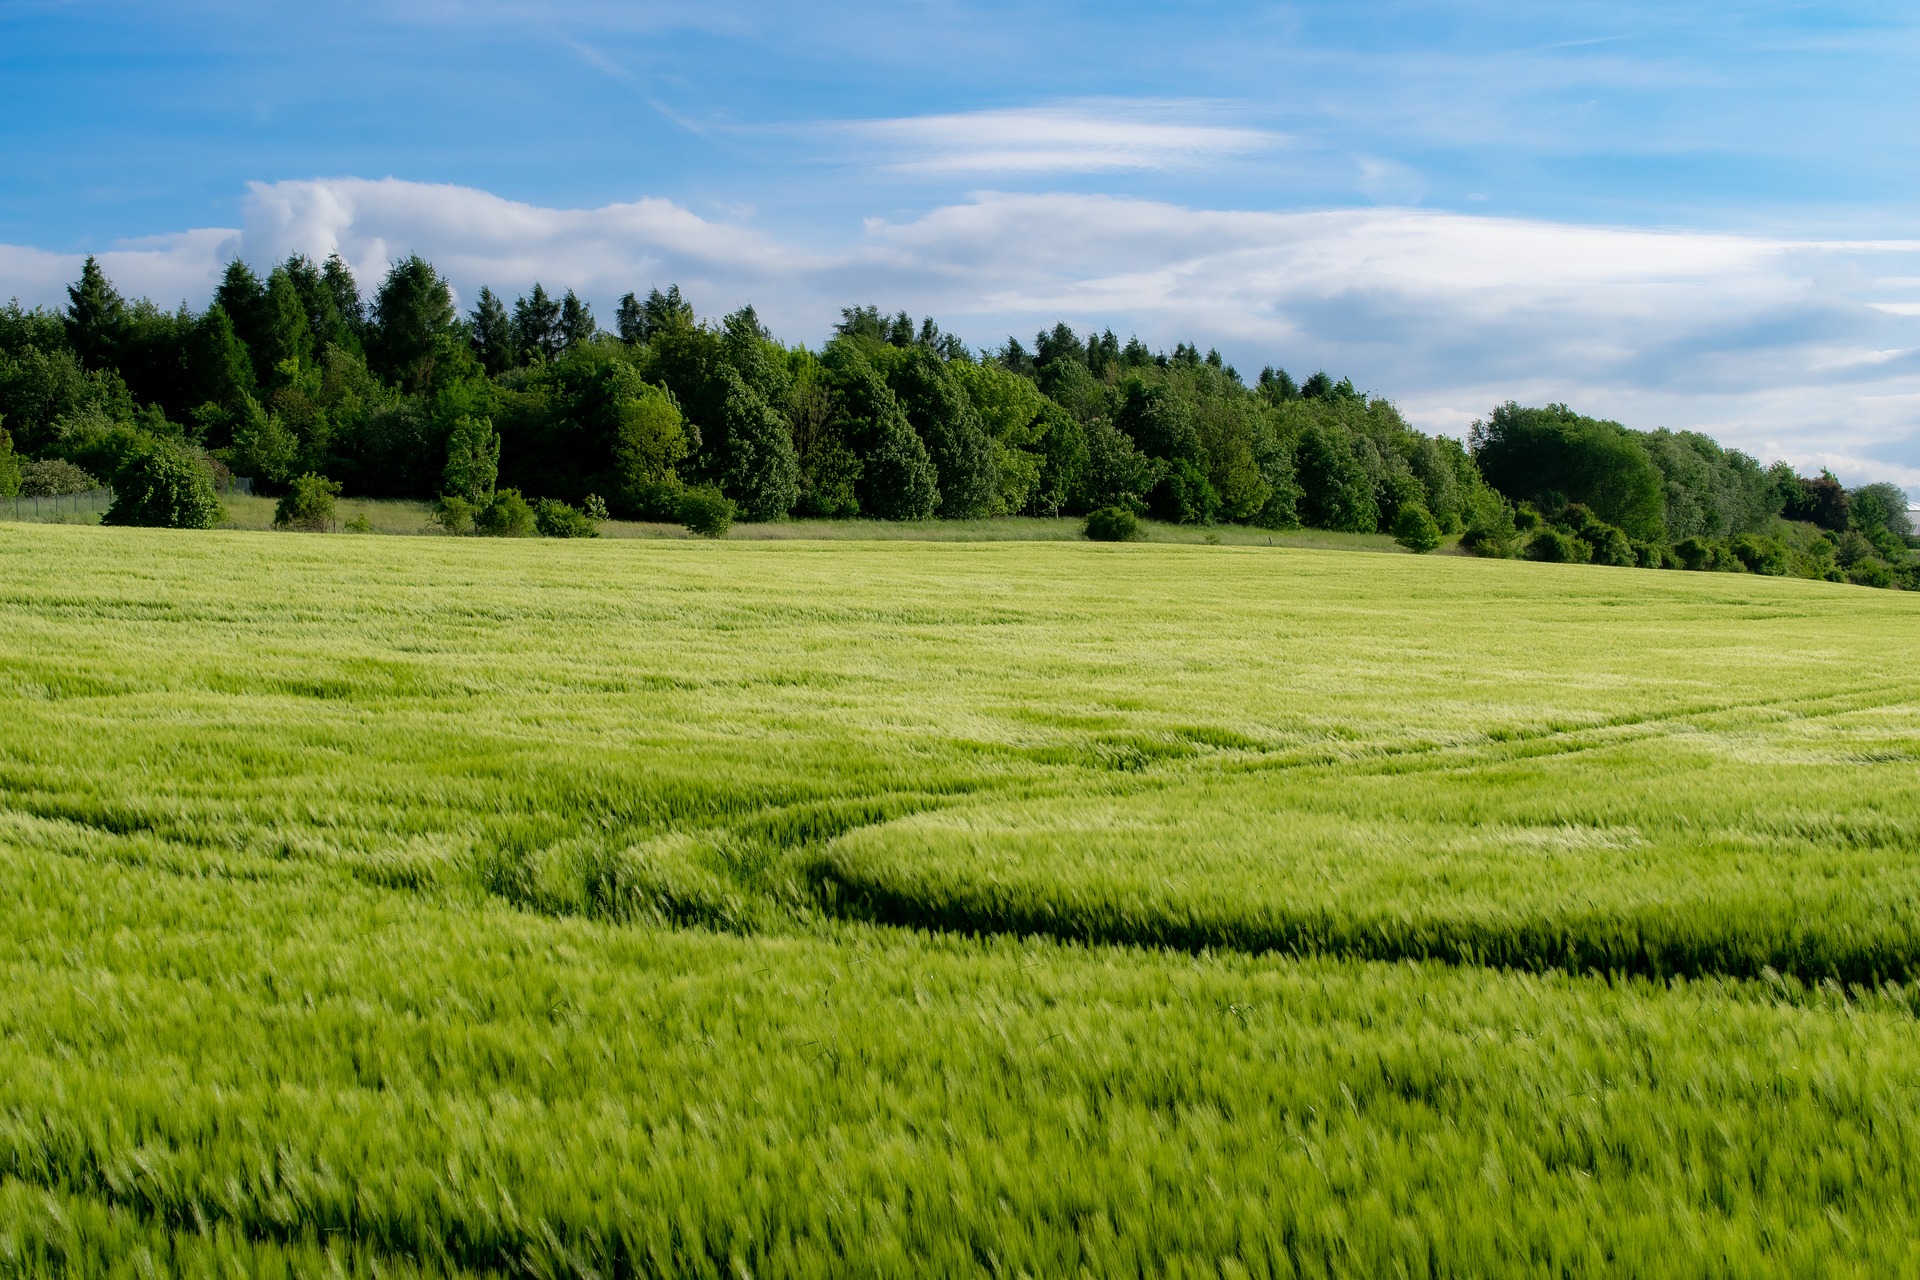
<point x="454" y="514"/>
<point x="163" y="486"/>
<point x="1651" y="555"/>
<point x="1554" y="546"/>
<point x="307" y="504"/>
<point x="555" y="519"/>
<point x="53" y="478"/>
<point x="706" y="511"/>
<point x="1870" y="573"/>
<point x="359" y="524"/>
<point x="1694" y="553"/>
<point x="505" y="515"/>
<point x="1415" y="529"/>
<point x="1112" y="524"/>
<point x="1760" y="555"/>
<point x="1491" y="526"/>
<point x="594" y="508"/>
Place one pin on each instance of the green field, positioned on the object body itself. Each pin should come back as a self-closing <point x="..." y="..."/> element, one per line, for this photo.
<point x="412" y="906"/>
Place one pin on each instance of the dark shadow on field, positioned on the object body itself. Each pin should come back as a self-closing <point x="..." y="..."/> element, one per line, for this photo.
<point x="1641" y="945"/>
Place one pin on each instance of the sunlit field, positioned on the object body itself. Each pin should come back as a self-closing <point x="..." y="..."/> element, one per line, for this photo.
<point x="787" y="907"/>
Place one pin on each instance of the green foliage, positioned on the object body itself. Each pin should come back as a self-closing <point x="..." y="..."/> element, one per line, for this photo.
<point x="758" y="467"/>
<point x="414" y="325"/>
<point x="473" y="460"/>
<point x="1760" y="555"/>
<point x="1117" y="474"/>
<point x="11" y="478"/>
<point x="161" y="485"/>
<point x="47" y="478"/>
<point x="505" y="514"/>
<point x="555" y="519"/>
<point x="1553" y="456"/>
<point x="1556" y="546"/>
<point x="957" y="445"/>
<point x="1336" y="490"/>
<point x="96" y="319"/>
<point x="1710" y="492"/>
<point x="1184" y="495"/>
<point x="1492" y="525"/>
<point x="454" y="515"/>
<point x="288" y="375"/>
<point x="1415" y="529"/>
<point x="897" y="480"/>
<point x="307" y="505"/>
<point x="706" y="511"/>
<point x="1111" y="524"/>
<point x="262" y="447"/>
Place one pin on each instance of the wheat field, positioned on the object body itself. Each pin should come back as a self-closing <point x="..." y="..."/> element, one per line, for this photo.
<point x="386" y="906"/>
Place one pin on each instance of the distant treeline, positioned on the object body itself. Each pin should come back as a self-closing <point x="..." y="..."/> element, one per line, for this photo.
<point x="298" y="382"/>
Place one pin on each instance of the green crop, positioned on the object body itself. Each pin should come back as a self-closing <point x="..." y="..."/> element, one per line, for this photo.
<point x="420" y="906"/>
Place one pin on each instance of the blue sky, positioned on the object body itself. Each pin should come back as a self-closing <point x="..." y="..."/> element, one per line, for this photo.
<point x="1685" y="215"/>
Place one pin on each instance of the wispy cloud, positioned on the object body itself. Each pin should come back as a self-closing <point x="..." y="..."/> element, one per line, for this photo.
<point x="1808" y="350"/>
<point x="1090" y="137"/>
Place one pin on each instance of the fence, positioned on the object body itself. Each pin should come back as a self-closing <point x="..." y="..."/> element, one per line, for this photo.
<point x="56" y="506"/>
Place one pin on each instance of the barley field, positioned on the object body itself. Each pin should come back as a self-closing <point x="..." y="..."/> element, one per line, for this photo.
<point x="428" y="906"/>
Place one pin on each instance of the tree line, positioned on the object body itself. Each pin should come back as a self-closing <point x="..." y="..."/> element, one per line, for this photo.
<point x="531" y="416"/>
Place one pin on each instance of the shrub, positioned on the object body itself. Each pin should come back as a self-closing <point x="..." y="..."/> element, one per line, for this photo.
<point x="594" y="508"/>
<point x="53" y="477"/>
<point x="1851" y="547"/>
<point x="163" y="486"/>
<point x="1694" y="553"/>
<point x="1870" y="573"/>
<point x="307" y="504"/>
<point x="505" y="515"/>
<point x="359" y="524"/>
<point x="1760" y="555"/>
<point x="1415" y="529"/>
<point x="1556" y="546"/>
<point x="1651" y="555"/>
<point x="1492" y="529"/>
<point x="706" y="511"/>
<point x="555" y="519"/>
<point x="1112" y="524"/>
<point x="454" y="514"/>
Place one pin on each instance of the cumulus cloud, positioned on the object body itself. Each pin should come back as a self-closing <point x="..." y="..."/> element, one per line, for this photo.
<point x="1808" y="350"/>
<point x="1083" y="138"/>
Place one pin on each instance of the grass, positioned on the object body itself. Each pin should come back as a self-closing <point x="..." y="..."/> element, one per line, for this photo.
<point x="808" y="908"/>
<point x="407" y="516"/>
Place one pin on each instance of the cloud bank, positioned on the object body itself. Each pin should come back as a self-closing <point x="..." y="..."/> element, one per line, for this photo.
<point x="1808" y="350"/>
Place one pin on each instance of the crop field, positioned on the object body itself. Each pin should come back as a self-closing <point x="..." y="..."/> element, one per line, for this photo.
<point x="420" y="906"/>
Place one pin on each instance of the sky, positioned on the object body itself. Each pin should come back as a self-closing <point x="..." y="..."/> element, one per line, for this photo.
<point x="1697" y="216"/>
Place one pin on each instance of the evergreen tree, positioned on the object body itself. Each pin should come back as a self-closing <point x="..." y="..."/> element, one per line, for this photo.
<point x="244" y="298"/>
<point x="325" y="324"/>
<point x="344" y="291"/>
<point x="285" y="333"/>
<point x="536" y="326"/>
<point x="96" y="320"/>
<point x="631" y="320"/>
<point x="412" y="316"/>
<point x="576" y="325"/>
<point x="491" y="333"/>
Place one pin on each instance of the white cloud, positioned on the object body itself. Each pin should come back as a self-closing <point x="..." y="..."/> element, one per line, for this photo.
<point x="1090" y="137"/>
<point x="1784" y="348"/>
